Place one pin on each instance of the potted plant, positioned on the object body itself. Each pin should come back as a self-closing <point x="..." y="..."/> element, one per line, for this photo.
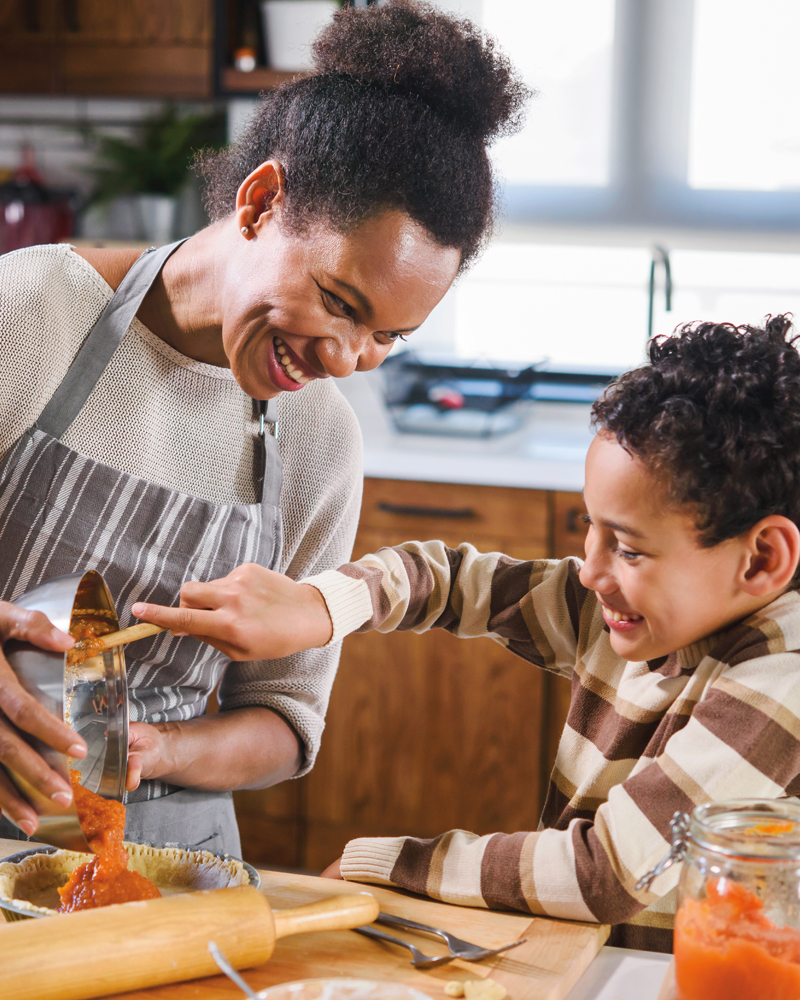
<point x="152" y="165"/>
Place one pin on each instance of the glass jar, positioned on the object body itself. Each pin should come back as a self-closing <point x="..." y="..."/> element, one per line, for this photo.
<point x="737" y="926"/>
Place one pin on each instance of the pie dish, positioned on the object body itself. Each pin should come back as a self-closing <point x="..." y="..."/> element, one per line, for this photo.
<point x="29" y="881"/>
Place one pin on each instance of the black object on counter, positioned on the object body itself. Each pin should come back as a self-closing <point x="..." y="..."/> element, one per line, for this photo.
<point x="436" y="395"/>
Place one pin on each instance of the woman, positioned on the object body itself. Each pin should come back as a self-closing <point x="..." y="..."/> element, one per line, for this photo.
<point x="343" y="214"/>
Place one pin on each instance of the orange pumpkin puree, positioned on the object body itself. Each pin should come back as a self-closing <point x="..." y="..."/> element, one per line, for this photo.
<point x="105" y="879"/>
<point x="87" y="631"/>
<point x="727" y="949"/>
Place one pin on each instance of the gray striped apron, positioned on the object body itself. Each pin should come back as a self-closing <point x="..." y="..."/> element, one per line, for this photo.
<point x="61" y="512"/>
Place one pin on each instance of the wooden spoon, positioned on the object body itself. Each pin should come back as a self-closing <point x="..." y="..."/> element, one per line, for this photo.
<point x="100" y="643"/>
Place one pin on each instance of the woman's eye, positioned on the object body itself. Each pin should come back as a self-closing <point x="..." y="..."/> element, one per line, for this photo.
<point x="627" y="555"/>
<point x="339" y="304"/>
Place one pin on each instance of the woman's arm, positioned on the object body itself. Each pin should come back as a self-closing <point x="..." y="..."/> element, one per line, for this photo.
<point x="242" y="748"/>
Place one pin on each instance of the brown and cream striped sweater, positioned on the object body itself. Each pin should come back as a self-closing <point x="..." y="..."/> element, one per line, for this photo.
<point x="717" y="720"/>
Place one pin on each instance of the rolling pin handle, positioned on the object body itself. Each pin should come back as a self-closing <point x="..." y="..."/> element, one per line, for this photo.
<point x="334" y="913"/>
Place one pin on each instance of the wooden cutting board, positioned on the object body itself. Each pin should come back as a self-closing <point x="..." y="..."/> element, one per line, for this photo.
<point x="546" y="967"/>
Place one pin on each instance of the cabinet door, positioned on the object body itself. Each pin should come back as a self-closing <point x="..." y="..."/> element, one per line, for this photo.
<point x="28" y="45"/>
<point x="426" y="733"/>
<point x="140" y="48"/>
<point x="144" y="48"/>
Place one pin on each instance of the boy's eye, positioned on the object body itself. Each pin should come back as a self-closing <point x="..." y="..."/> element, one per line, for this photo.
<point x="627" y="555"/>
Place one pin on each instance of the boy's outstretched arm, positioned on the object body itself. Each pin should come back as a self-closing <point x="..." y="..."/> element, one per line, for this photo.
<point x="253" y="613"/>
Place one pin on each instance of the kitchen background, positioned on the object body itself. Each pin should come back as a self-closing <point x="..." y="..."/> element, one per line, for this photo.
<point x="656" y="182"/>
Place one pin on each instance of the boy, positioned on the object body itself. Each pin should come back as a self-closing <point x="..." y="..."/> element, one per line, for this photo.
<point x="680" y="632"/>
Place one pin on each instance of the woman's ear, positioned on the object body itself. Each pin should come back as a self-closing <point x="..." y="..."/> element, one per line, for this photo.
<point x="773" y="552"/>
<point x="258" y="196"/>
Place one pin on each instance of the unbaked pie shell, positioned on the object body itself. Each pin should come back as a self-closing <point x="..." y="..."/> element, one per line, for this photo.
<point x="32" y="884"/>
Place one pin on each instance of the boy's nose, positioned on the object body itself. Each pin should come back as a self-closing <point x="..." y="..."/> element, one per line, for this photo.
<point x="595" y="573"/>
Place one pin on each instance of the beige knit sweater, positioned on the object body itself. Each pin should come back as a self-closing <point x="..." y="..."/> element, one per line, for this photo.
<point x="164" y="417"/>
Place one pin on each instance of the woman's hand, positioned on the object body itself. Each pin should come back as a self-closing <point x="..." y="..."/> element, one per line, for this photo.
<point x="21" y="713"/>
<point x="251" y="614"/>
<point x="145" y="753"/>
<point x="333" y="871"/>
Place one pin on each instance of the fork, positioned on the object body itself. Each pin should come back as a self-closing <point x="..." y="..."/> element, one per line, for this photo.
<point x="418" y="960"/>
<point x="458" y="948"/>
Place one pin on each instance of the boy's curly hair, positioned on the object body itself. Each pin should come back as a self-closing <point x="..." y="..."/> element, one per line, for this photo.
<point x="716" y="416"/>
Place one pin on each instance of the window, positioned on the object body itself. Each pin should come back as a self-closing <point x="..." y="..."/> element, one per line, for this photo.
<point x="565" y="52"/>
<point x="666" y="123"/>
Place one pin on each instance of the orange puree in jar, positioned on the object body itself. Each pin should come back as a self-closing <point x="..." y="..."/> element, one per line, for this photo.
<point x="726" y="948"/>
<point x="105" y="879"/>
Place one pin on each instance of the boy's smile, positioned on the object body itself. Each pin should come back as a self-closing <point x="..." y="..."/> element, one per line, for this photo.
<point x="659" y="588"/>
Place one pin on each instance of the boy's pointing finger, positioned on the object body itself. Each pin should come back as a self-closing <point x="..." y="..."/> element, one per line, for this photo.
<point x="180" y="621"/>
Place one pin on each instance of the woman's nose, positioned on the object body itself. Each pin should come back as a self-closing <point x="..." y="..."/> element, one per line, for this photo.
<point x="341" y="357"/>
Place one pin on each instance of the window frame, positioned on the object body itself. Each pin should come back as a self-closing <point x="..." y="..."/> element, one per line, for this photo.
<point x="648" y="172"/>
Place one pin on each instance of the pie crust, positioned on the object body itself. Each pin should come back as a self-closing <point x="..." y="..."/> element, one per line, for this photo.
<point x="32" y="884"/>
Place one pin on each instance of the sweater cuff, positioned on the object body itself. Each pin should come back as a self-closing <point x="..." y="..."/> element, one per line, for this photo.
<point x="371" y="859"/>
<point x="348" y="600"/>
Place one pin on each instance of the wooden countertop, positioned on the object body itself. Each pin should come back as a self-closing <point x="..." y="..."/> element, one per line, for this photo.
<point x="546" y="967"/>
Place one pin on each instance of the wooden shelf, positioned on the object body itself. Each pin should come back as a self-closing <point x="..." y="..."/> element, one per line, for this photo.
<point x="261" y="78"/>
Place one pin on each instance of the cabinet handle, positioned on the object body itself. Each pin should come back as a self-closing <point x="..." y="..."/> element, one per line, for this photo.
<point x="407" y="510"/>
<point x="575" y="523"/>
<point x="71" y="15"/>
<point x="32" y="22"/>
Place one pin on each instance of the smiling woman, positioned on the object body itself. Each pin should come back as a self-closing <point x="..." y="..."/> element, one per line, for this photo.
<point x="141" y="396"/>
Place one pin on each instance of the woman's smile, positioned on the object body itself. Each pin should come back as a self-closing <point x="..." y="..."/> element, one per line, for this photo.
<point x="286" y="370"/>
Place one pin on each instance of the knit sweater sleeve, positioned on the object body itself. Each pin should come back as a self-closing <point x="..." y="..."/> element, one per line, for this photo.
<point x="535" y="608"/>
<point x="740" y="740"/>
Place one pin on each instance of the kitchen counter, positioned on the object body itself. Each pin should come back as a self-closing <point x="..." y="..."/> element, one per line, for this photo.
<point x="547" y="452"/>
<point x="556" y="962"/>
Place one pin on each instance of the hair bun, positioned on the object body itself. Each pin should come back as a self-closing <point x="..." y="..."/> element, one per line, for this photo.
<point x="417" y="50"/>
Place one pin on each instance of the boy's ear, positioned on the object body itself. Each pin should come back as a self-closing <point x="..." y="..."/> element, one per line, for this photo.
<point x="772" y="555"/>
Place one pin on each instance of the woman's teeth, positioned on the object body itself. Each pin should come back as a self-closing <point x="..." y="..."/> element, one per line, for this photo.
<point x="286" y="361"/>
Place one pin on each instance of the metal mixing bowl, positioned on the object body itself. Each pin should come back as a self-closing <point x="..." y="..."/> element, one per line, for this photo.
<point x="91" y="697"/>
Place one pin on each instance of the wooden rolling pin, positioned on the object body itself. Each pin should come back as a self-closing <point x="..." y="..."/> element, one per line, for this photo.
<point x="132" y="946"/>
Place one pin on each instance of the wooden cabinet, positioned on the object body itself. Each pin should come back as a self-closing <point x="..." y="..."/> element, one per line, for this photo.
<point x="140" y="48"/>
<point x="425" y="732"/>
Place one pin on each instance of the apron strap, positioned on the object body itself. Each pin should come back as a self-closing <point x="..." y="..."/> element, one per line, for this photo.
<point x="268" y="432"/>
<point x="105" y="337"/>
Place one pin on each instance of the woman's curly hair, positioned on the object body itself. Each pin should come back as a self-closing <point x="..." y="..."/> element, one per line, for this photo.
<point x="716" y="416"/>
<point x="398" y="113"/>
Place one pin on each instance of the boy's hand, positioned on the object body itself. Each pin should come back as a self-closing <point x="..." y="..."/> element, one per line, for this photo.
<point x="333" y="871"/>
<point x="251" y="614"/>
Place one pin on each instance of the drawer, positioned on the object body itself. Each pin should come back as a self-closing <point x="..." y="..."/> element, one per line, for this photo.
<point x="420" y="510"/>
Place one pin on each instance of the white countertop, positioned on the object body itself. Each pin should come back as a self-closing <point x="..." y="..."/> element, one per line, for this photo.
<point x="547" y="452"/>
<point x="622" y="974"/>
